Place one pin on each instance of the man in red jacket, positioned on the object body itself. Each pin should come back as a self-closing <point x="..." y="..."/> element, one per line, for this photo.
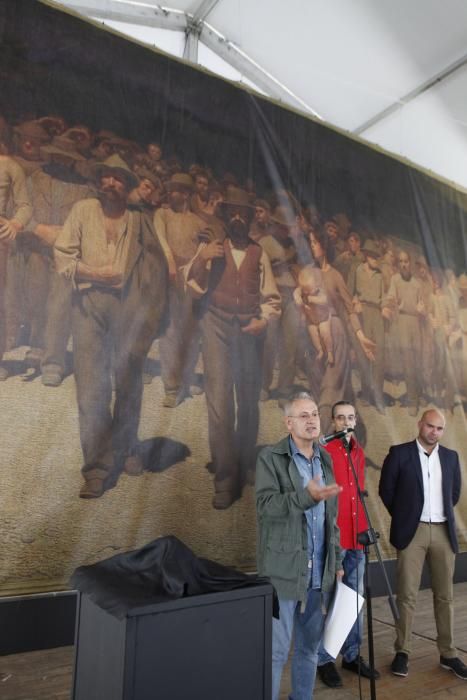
<point x="351" y="520"/>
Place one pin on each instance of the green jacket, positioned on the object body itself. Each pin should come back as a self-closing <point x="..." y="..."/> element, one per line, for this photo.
<point x="281" y="501"/>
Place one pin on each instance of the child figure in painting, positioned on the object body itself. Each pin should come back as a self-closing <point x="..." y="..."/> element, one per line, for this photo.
<point x="317" y="312"/>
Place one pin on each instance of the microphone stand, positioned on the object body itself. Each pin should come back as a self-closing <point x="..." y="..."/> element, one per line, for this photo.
<point x="369" y="538"/>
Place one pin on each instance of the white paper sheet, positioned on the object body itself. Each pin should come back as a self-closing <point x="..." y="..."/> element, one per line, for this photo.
<point x="342" y="615"/>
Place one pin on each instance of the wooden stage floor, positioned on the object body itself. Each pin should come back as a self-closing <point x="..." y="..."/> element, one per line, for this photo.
<point x="46" y="675"/>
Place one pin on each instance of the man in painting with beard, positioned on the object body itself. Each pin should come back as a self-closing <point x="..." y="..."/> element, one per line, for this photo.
<point x="119" y="277"/>
<point x="239" y="293"/>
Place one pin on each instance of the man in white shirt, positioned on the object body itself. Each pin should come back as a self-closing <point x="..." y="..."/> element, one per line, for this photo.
<point x="119" y="277"/>
<point x="420" y="485"/>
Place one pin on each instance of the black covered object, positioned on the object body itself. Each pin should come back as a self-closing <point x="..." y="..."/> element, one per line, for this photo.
<point x="164" y="569"/>
<point x="160" y="624"/>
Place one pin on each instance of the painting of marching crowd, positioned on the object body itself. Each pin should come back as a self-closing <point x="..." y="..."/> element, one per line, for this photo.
<point x="233" y="270"/>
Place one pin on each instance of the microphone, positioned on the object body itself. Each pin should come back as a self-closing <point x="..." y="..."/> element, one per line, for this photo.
<point x="324" y="439"/>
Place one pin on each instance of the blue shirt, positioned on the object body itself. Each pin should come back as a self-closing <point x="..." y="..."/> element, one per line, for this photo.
<point x="315" y="516"/>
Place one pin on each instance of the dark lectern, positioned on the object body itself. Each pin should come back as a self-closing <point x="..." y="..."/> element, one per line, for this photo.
<point x="215" y="646"/>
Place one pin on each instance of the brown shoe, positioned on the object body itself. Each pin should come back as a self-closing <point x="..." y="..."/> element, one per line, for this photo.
<point x="51" y="378"/>
<point x="195" y="390"/>
<point x="133" y="465"/>
<point x="171" y="399"/>
<point x="223" y="500"/>
<point x="92" y="488"/>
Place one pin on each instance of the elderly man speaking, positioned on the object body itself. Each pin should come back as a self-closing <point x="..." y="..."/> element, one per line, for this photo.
<point x="298" y="540"/>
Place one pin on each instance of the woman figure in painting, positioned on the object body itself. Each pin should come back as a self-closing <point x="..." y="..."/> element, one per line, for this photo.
<point x="317" y="312"/>
<point x="335" y="380"/>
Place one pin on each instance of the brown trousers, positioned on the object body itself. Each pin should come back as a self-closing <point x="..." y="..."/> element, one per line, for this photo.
<point x="430" y="543"/>
<point x="232" y="381"/>
<point x="372" y="373"/>
<point x="107" y="432"/>
<point x="410" y="349"/>
<point x="179" y="347"/>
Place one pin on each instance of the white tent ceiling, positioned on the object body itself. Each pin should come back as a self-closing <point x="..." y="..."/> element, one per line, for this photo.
<point x="392" y="71"/>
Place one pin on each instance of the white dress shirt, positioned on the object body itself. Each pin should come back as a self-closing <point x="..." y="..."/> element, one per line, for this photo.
<point x="433" y="507"/>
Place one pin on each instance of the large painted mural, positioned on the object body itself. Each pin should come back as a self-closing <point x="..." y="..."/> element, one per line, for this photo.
<point x="177" y="256"/>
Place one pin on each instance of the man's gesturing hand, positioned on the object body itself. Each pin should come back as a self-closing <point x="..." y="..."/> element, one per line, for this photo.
<point x="321" y="493"/>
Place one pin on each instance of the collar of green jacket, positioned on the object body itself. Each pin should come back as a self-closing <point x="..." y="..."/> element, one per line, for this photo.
<point x="283" y="448"/>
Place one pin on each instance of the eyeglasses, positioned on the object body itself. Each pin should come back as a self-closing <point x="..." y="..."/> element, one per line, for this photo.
<point x="306" y="416"/>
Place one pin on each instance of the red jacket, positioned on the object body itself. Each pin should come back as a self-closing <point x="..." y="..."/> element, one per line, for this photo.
<point x="351" y="516"/>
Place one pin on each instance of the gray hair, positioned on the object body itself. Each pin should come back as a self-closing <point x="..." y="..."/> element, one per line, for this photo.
<point x="298" y="396"/>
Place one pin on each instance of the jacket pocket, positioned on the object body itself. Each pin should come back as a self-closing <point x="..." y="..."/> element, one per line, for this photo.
<point x="284" y="560"/>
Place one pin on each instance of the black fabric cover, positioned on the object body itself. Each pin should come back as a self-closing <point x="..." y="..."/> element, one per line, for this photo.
<point x="164" y="569"/>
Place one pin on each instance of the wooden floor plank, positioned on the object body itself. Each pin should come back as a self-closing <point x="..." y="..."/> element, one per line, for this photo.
<point x="47" y="675"/>
<point x="426" y="678"/>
